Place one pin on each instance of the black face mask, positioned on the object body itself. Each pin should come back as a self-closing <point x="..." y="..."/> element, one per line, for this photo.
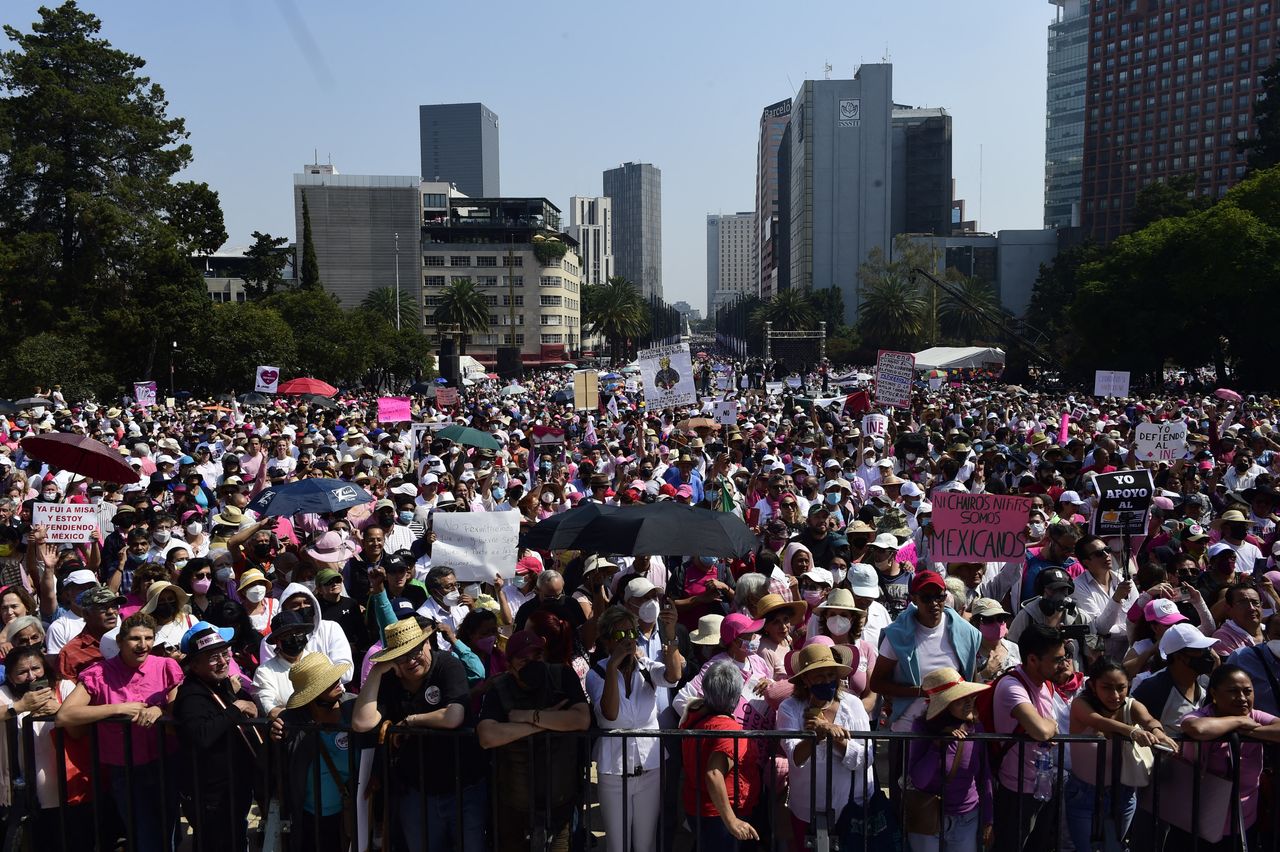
<point x="533" y="676"/>
<point x="163" y="612"/>
<point x="262" y="551"/>
<point x="293" y="645"/>
<point x="307" y="612"/>
<point x="1201" y="664"/>
<point x="1050" y="605"/>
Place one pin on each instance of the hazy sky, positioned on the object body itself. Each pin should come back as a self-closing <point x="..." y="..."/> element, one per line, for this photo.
<point x="579" y="87"/>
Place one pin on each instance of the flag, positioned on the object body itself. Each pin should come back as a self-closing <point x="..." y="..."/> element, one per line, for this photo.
<point x="589" y="436"/>
<point x="613" y="406"/>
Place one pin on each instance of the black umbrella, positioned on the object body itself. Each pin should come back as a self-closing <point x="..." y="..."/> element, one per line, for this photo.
<point x="315" y="400"/>
<point x="559" y="531"/>
<point x="254" y="398"/>
<point x="423" y="388"/>
<point x="660" y="528"/>
<point x="562" y="396"/>
<point x="34" y="402"/>
<point x="309" y="496"/>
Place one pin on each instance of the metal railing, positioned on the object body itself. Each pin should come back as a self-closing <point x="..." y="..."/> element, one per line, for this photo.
<point x="144" y="802"/>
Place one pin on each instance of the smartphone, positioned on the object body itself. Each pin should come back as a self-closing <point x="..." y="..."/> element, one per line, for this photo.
<point x="752" y="516"/>
<point x="1259" y="569"/>
<point x="37" y="685"/>
<point x="1164" y="747"/>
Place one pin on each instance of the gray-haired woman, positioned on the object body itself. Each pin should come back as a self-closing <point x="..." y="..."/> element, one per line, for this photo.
<point x="721" y="774"/>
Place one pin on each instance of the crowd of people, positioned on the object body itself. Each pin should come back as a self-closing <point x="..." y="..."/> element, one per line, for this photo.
<point x="152" y="668"/>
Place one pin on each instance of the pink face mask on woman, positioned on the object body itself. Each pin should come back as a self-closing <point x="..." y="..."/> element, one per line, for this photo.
<point x="994" y="632"/>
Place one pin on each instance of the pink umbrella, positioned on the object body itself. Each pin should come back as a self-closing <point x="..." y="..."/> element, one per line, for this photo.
<point x="1228" y="395"/>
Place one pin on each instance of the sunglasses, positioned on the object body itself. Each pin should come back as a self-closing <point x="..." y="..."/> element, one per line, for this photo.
<point x="622" y="635"/>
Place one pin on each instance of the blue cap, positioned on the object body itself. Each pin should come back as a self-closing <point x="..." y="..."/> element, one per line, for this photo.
<point x="403" y="608"/>
<point x="186" y="460"/>
<point x="289" y="621"/>
<point x="203" y="636"/>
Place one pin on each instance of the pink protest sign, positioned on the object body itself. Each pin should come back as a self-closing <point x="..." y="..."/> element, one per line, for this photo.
<point x="978" y="527"/>
<point x="394" y="409"/>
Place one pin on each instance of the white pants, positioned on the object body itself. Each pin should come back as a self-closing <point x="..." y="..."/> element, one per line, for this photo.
<point x="644" y="801"/>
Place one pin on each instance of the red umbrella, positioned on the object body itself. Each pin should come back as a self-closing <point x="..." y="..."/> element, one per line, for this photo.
<point x="80" y="454"/>
<point x="306" y="385"/>
<point x="1228" y="395"/>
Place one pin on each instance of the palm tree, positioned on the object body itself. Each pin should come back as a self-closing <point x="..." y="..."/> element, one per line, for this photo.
<point x="892" y="313"/>
<point x="788" y="310"/>
<point x="615" y="310"/>
<point x="966" y="317"/>
<point x="382" y="303"/>
<point x="462" y="304"/>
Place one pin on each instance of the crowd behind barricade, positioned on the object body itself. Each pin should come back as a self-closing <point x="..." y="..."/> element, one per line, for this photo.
<point x="210" y="667"/>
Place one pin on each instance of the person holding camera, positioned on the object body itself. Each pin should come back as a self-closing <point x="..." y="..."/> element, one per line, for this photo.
<point x="1103" y="595"/>
<point x="1055" y="606"/>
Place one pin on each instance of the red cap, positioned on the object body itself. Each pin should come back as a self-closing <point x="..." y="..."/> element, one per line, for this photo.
<point x="923" y="579"/>
<point x="668" y="489"/>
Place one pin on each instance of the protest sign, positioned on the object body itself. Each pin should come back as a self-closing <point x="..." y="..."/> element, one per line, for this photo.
<point x="978" y="527"/>
<point x="586" y="390"/>
<point x="394" y="409"/>
<point x="1124" y="499"/>
<point x="793" y="382"/>
<point x="875" y="425"/>
<point x="1111" y="383"/>
<point x="145" y="393"/>
<point x="726" y="412"/>
<point x="895" y="372"/>
<point x="1162" y="441"/>
<point x="267" y="379"/>
<point x="66" y="523"/>
<point x="668" y="376"/>
<point x="935" y="383"/>
<point x="446" y="396"/>
<point x="773" y="388"/>
<point x="476" y="545"/>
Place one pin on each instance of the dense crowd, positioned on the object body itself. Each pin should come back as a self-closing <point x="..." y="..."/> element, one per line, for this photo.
<point x="195" y="633"/>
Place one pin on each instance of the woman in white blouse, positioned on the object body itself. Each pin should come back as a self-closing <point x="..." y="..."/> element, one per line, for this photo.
<point x="622" y="686"/>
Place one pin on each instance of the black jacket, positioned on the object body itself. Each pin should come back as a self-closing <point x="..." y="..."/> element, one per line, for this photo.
<point x="213" y="751"/>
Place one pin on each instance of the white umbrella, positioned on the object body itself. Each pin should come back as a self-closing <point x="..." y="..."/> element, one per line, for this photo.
<point x="512" y="390"/>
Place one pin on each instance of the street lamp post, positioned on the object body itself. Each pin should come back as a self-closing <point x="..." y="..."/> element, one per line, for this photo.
<point x="397" y="281"/>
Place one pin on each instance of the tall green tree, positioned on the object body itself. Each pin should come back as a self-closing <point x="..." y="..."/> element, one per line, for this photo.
<point x="1263" y="146"/>
<point x="1175" y="196"/>
<point x="381" y="302"/>
<point x="264" y="271"/>
<point x="616" y="311"/>
<point x="464" y="305"/>
<point x="789" y="310"/>
<point x="310" y="273"/>
<point x="894" y="313"/>
<point x="966" y="316"/>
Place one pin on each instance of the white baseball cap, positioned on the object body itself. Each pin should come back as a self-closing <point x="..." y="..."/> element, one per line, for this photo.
<point x="863" y="581"/>
<point x="1180" y="637"/>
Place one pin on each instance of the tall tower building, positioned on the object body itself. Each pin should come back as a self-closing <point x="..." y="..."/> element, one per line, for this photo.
<point x="460" y="146"/>
<point x="591" y="224"/>
<point x="1064" y="112"/>
<point x="922" y="185"/>
<point x="731" y="258"/>
<point x="773" y="123"/>
<point x="636" y="192"/>
<point x="841" y="179"/>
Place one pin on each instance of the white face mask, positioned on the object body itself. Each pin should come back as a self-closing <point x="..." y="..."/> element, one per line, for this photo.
<point x="255" y="594"/>
<point x="753" y="644"/>
<point x="194" y="528"/>
<point x="1036" y="530"/>
<point x="451" y="599"/>
<point x="838" y="575"/>
<point x="649" y="612"/>
<point x="839" y="625"/>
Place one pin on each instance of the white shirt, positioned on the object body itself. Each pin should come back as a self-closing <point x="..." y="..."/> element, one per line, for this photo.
<point x="451" y="616"/>
<point x="934" y="650"/>
<point x="1246" y="555"/>
<point x="860" y="780"/>
<point x="637" y="711"/>
<point x="877" y="619"/>
<point x="1097" y="602"/>
<point x="272" y="683"/>
<point x="61" y="631"/>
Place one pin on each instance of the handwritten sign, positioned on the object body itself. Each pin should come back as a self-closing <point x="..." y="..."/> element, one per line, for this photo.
<point x="476" y="545"/>
<point x="66" y="523"/>
<point x="145" y="393"/>
<point x="1161" y="441"/>
<point x="793" y="382"/>
<point x="1111" y="383"/>
<point x="446" y="396"/>
<point x="894" y="374"/>
<point x="726" y="412"/>
<point x="394" y="409"/>
<point x="1124" y="499"/>
<point x="773" y="388"/>
<point x="875" y="425"/>
<point x="978" y="527"/>
<point x="266" y="379"/>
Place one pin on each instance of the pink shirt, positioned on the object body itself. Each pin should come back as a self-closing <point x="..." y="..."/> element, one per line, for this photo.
<point x="113" y="682"/>
<point x="1216" y="758"/>
<point x="1013" y="690"/>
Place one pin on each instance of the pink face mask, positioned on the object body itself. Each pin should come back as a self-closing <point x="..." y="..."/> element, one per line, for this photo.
<point x="993" y="633"/>
<point x="201" y="586"/>
<point x="485" y="644"/>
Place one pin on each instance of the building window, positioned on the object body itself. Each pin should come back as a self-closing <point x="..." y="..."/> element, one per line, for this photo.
<point x="506" y="301"/>
<point x="550" y="281"/>
<point x="550" y="301"/>
<point x="429" y="318"/>
<point x="513" y="281"/>
<point x="433" y="260"/>
<point x="486" y="260"/>
<point x="491" y="301"/>
<point x="434" y="200"/>
<point x="553" y="338"/>
<point x="512" y="260"/>
<point x="506" y="338"/>
<point x="432" y="301"/>
<point x="487" y="281"/>
<point x="460" y="260"/>
<point x="434" y="281"/>
<point x="552" y="319"/>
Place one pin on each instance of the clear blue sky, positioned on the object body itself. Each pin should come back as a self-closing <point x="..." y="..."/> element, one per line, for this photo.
<point x="579" y="87"/>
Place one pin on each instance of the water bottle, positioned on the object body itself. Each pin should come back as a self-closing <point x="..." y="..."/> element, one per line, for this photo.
<point x="1043" y="762"/>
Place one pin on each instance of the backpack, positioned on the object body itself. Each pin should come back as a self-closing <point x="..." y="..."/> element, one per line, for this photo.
<point x="984" y="704"/>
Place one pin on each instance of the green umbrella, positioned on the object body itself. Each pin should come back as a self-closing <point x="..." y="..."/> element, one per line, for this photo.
<point x="470" y="437"/>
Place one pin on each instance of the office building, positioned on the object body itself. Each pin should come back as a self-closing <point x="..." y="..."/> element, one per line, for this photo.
<point x="591" y="224"/>
<point x="224" y="270"/>
<point x="460" y="146"/>
<point x="1064" y="112"/>
<point x="841" y="180"/>
<point x="513" y="249"/>
<point x="1008" y="260"/>
<point x="1170" y="91"/>
<point x="357" y="224"/>
<point x="773" y="123"/>
<point x="636" y="192"/>
<point x="732" y="271"/>
<point x="687" y="311"/>
<point x="922" y="185"/>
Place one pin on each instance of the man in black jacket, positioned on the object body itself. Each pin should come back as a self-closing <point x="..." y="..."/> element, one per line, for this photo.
<point x="342" y="610"/>
<point x="218" y="749"/>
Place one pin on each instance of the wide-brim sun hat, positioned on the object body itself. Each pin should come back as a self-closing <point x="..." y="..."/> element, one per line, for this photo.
<point x="153" y="596"/>
<point x="707" y="631"/>
<point x="841" y="599"/>
<point x="769" y="604"/>
<point x="333" y="546"/>
<point x="819" y="657"/>
<point x="401" y="638"/>
<point x="943" y="686"/>
<point x="311" y="676"/>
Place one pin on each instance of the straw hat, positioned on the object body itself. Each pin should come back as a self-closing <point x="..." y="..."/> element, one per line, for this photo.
<point x="310" y="676"/>
<point x="841" y="599"/>
<point x="253" y="575"/>
<point x="819" y="657"/>
<point x="708" y="630"/>
<point x="772" y="603"/>
<point x="402" y="637"/>
<point x="945" y="685"/>
<point x="153" y="596"/>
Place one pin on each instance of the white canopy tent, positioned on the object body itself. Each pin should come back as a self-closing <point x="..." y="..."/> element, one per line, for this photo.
<point x="470" y="366"/>
<point x="958" y="357"/>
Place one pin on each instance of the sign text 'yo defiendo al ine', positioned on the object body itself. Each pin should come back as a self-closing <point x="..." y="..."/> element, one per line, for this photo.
<point x="979" y="527"/>
<point x="66" y="523"/>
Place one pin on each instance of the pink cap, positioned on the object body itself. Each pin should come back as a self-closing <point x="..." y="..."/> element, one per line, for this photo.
<point x="736" y="625"/>
<point x="1163" y="611"/>
<point x="684" y="491"/>
<point x="528" y="565"/>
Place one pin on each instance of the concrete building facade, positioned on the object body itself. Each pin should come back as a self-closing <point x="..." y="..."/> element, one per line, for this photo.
<point x="732" y="270"/>
<point x="635" y="190"/>
<point x="459" y="145"/>
<point x="591" y="224"/>
<point x="1064" y="112"/>
<point x="773" y="124"/>
<point x="1008" y="260"/>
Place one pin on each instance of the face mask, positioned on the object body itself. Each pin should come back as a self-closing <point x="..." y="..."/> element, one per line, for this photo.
<point x="993" y="633"/>
<point x="160" y="536"/>
<point x="49" y="496"/>
<point x="201" y="587"/>
<point x="1202" y="664"/>
<point x="775" y="544"/>
<point x="926" y="522"/>
<point x="824" y="692"/>
<point x="911" y="457"/>
<point x="255" y="594"/>
<point x="451" y="599"/>
<point x="163" y="612"/>
<point x="848" y="475"/>
<point x="262" y="550"/>
<point x="310" y="584"/>
<point x="753" y="644"/>
<point x="405" y="517"/>
<point x="180" y="564"/>
<point x="833" y="499"/>
<point x="293" y="645"/>
<point x="838" y="575"/>
<point x="839" y="625"/>
<point x="223" y="574"/>
<point x="1054" y="604"/>
<point x="1036" y="530"/>
<point x="533" y="675"/>
<point x="497" y="495"/>
<point x="812" y="597"/>
<point x="134" y="559"/>
<point x="194" y="528"/>
<point x="485" y="644"/>
<point x="649" y="612"/>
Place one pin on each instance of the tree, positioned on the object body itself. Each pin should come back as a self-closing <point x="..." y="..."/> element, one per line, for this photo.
<point x="310" y="277"/>
<point x="789" y="310"/>
<point x="263" y="273"/>
<point x="381" y="302"/>
<point x="462" y="304"/>
<point x="1263" y="147"/>
<point x="615" y="310"/>
<point x="237" y="337"/>
<point x="967" y="317"/>
<point x="1161" y="199"/>
<point x="893" y="314"/>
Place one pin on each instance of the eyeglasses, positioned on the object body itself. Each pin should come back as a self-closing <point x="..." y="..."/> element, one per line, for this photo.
<point x="1092" y="553"/>
<point x="621" y="635"/>
<point x="935" y="598"/>
<point x="224" y="654"/>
